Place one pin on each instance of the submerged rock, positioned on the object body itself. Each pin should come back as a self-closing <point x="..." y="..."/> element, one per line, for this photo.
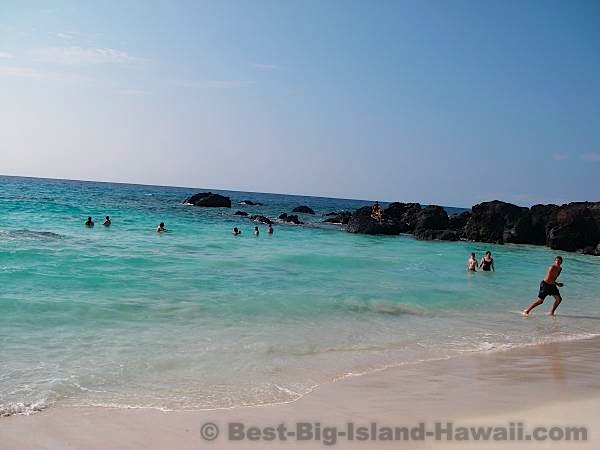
<point x="240" y="213"/>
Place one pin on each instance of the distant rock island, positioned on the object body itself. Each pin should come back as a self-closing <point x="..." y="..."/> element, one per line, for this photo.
<point x="209" y="200"/>
<point x="570" y="227"/>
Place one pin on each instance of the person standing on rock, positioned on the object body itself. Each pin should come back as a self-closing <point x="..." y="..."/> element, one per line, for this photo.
<point x="549" y="286"/>
<point x="376" y="212"/>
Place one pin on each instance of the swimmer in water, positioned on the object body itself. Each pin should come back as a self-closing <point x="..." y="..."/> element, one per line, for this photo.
<point x="236" y="232"/>
<point x="256" y="232"/>
<point x="472" y="263"/>
<point x="107" y="222"/>
<point x="487" y="262"/>
<point x="161" y="228"/>
<point x="89" y="223"/>
<point x="270" y="229"/>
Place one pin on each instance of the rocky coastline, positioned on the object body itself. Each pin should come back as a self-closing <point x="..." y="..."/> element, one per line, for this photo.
<point x="569" y="227"/>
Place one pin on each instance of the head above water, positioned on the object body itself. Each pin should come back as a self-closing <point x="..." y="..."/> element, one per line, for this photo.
<point x="473" y="255"/>
<point x="162" y="225"/>
<point x="107" y="218"/>
<point x="488" y="253"/>
<point x="558" y="260"/>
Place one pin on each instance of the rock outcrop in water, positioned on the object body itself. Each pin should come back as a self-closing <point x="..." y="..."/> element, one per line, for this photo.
<point x="209" y="200"/>
<point x="499" y="222"/>
<point x="570" y="227"/>
<point x="303" y="209"/>
<point x="362" y="222"/>
<point x="290" y="218"/>
<point x="250" y="203"/>
<point x="338" y="217"/>
<point x="240" y="213"/>
<point x="261" y="219"/>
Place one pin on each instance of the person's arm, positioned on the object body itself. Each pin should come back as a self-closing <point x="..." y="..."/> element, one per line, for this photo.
<point x="493" y="267"/>
<point x="559" y="284"/>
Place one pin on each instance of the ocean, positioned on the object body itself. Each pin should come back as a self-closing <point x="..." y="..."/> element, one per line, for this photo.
<point x="196" y="318"/>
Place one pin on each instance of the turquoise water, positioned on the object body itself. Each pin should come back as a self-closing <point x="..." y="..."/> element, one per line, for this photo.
<point x="196" y="318"/>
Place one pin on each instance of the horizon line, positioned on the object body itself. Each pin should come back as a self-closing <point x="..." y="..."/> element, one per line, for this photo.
<point x="218" y="189"/>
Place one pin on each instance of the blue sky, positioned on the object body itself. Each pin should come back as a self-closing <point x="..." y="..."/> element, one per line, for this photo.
<point x="432" y="101"/>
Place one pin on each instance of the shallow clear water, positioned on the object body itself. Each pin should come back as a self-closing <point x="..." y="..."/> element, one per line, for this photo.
<point x="197" y="318"/>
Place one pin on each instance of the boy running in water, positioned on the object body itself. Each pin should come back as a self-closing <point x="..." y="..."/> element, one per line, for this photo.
<point x="549" y="286"/>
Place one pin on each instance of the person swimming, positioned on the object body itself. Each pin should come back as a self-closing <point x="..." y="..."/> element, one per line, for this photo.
<point x="89" y="223"/>
<point x="107" y="222"/>
<point x="161" y="228"/>
<point x="487" y="262"/>
<point x="236" y="231"/>
<point x="256" y="232"/>
<point x="270" y="229"/>
<point x="472" y="263"/>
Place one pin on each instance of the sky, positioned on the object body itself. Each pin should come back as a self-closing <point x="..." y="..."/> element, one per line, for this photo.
<point x="451" y="103"/>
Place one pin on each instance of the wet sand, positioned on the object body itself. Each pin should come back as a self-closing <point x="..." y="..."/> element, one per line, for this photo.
<point x="545" y="385"/>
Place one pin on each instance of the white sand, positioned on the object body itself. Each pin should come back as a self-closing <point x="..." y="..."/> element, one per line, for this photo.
<point x="549" y="385"/>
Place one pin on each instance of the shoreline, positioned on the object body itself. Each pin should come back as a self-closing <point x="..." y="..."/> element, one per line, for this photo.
<point x="31" y="410"/>
<point x="553" y="381"/>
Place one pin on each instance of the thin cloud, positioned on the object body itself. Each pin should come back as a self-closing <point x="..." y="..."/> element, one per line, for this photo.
<point x="560" y="157"/>
<point x="132" y="92"/>
<point x="77" y="55"/>
<point x="591" y="156"/>
<point x="20" y="72"/>
<point x="6" y="55"/>
<point x="34" y="74"/>
<point x="66" y="35"/>
<point x="266" y="66"/>
<point x="210" y="84"/>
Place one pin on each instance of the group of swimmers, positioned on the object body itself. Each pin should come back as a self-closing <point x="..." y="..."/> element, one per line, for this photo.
<point x="162" y="228"/>
<point x="236" y="231"/>
<point x="548" y="286"/>
<point x="486" y="264"/>
<point x="90" y="222"/>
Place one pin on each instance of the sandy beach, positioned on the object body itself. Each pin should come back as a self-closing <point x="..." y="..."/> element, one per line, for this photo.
<point x="551" y="385"/>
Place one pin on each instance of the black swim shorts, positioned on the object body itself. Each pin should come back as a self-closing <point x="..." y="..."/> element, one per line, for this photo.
<point x="547" y="289"/>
